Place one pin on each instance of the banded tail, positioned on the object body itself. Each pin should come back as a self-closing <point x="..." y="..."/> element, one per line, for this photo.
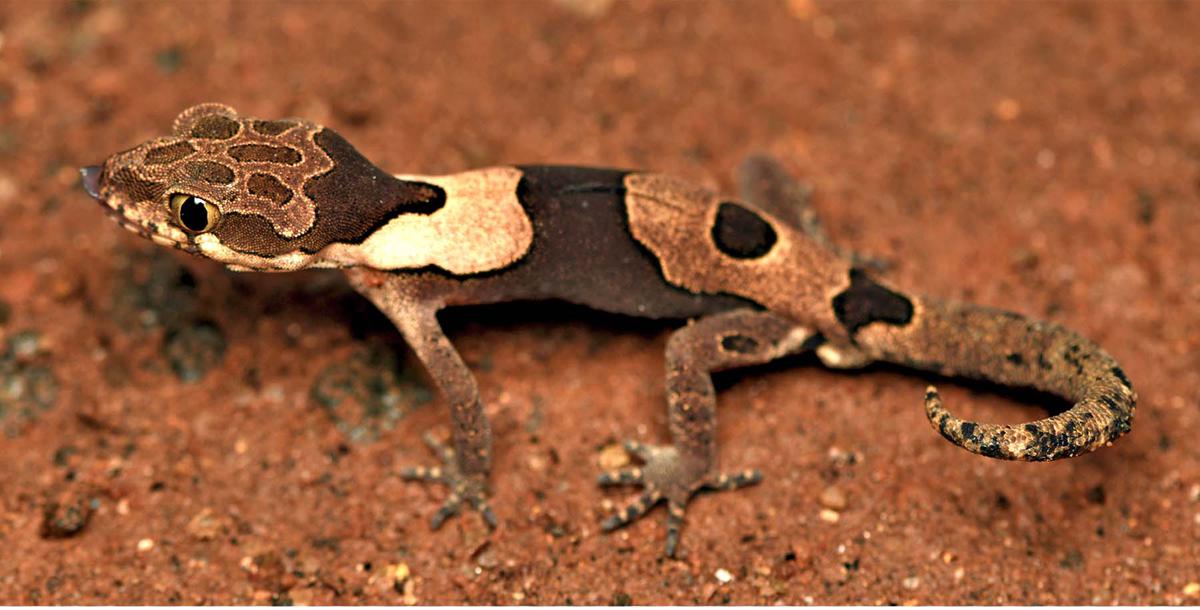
<point x="977" y="342"/>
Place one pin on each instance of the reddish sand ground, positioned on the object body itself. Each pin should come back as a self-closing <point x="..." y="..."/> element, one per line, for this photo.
<point x="171" y="432"/>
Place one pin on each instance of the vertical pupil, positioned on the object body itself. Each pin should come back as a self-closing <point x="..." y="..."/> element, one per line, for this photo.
<point x="193" y="214"/>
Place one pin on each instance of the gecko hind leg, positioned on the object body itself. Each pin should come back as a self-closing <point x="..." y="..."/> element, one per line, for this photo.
<point x="675" y="472"/>
<point x="763" y="182"/>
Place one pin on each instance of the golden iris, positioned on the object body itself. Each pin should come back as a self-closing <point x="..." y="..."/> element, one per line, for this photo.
<point x="194" y="214"/>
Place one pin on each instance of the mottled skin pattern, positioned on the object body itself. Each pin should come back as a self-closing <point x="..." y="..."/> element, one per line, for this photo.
<point x="756" y="279"/>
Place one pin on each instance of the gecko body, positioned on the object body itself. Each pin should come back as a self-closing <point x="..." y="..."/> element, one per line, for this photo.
<point x="755" y="278"/>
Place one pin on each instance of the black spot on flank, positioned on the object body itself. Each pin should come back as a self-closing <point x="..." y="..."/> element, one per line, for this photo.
<point x="215" y="127"/>
<point x="739" y="343"/>
<point x="991" y="450"/>
<point x="865" y="302"/>
<point x="1032" y="429"/>
<point x="1015" y="358"/>
<point x="740" y="233"/>
<point x="209" y="171"/>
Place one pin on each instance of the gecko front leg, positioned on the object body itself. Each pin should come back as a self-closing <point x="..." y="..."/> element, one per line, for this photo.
<point x="677" y="471"/>
<point x="467" y="461"/>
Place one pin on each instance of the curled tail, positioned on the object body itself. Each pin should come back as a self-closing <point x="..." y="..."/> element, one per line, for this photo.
<point x="977" y="342"/>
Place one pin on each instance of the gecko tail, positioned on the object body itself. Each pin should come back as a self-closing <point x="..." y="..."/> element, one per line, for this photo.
<point x="1086" y="426"/>
<point x="1009" y="349"/>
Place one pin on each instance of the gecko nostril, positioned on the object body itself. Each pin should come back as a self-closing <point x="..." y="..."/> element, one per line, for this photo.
<point x="91" y="180"/>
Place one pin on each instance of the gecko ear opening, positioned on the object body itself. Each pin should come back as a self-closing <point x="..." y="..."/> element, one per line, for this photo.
<point x="209" y="120"/>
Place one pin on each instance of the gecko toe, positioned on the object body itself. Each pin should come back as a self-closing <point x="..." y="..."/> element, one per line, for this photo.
<point x="726" y="482"/>
<point x="464" y="487"/>
<point x="623" y="476"/>
<point x="632" y="511"/>
<point x="449" y="508"/>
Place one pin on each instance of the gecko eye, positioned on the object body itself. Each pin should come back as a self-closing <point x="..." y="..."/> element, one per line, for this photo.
<point x="193" y="213"/>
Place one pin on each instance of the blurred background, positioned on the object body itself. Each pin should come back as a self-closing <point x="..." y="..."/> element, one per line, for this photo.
<point x="171" y="432"/>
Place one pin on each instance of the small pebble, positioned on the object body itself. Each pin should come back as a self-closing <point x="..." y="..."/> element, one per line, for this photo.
<point x="487" y="559"/>
<point x="912" y="582"/>
<point x="830" y="516"/>
<point x="1007" y="109"/>
<point x="399" y="573"/>
<point x="833" y="498"/>
<point x="724" y="576"/>
<point x="204" y="525"/>
<point x="1192" y="589"/>
<point x="145" y="544"/>
<point x="1046" y="158"/>
<point x="65" y="518"/>
<point x="409" y="595"/>
<point x="613" y="457"/>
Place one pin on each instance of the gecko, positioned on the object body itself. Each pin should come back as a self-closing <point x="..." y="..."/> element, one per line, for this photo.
<point x="745" y="279"/>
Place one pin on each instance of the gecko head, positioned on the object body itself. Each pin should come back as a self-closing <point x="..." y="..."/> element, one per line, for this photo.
<point x="253" y="194"/>
<point x="214" y="183"/>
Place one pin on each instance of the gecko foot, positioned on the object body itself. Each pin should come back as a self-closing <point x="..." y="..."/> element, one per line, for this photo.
<point x="666" y="476"/>
<point x="471" y="489"/>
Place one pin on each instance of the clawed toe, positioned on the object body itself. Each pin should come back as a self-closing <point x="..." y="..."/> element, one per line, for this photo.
<point x="665" y="476"/>
<point x="463" y="487"/>
<point x="726" y="482"/>
<point x="623" y="476"/>
<point x="632" y="511"/>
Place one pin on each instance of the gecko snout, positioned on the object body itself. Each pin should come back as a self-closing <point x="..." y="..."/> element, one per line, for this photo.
<point x="90" y="176"/>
